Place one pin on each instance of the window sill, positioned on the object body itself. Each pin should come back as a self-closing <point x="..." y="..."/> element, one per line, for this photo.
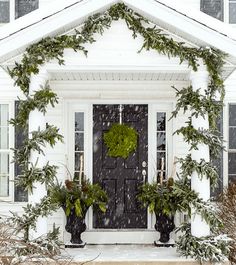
<point x="15" y="206"/>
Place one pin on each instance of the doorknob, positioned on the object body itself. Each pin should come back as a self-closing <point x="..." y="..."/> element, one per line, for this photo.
<point x="144" y="164"/>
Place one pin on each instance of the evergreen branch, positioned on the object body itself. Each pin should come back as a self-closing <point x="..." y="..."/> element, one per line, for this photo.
<point x="39" y="139"/>
<point x="40" y="100"/>
<point x="15" y="250"/>
<point x="31" y="214"/>
<point x="33" y="174"/>
<point x="203" y="168"/>
<point x="194" y="137"/>
<point x="213" y="248"/>
<point x="199" y="105"/>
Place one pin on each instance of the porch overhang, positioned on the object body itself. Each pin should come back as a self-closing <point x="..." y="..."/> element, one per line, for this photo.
<point x="166" y="69"/>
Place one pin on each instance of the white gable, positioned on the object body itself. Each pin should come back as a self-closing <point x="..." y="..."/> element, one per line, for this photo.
<point x="115" y="56"/>
<point x="17" y="36"/>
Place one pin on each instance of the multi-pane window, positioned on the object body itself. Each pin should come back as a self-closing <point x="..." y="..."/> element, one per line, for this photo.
<point x="23" y="7"/>
<point x="232" y="143"/>
<point x="12" y="9"/>
<point x="232" y="11"/>
<point x="161" y="144"/>
<point x="224" y="10"/>
<point x="79" y="144"/>
<point x="4" y="11"/>
<point x="4" y="150"/>
<point x="214" y="8"/>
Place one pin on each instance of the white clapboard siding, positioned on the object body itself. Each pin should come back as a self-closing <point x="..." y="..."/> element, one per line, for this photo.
<point x="56" y="156"/>
<point x="230" y="88"/>
<point x="180" y="148"/>
<point x="7" y="88"/>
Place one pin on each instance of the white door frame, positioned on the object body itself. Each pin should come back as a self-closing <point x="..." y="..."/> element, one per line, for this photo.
<point x="104" y="236"/>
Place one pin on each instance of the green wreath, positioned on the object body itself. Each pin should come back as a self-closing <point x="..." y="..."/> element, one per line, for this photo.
<point x="121" y="140"/>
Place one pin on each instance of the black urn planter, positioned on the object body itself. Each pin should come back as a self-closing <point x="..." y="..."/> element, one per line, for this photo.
<point x="75" y="225"/>
<point x="165" y="225"/>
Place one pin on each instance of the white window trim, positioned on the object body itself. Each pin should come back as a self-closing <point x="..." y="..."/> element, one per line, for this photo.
<point x="10" y="198"/>
<point x="70" y="108"/>
<point x="152" y="148"/>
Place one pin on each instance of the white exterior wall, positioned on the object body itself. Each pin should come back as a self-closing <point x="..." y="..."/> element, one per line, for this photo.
<point x="7" y="88"/>
<point x="43" y="3"/>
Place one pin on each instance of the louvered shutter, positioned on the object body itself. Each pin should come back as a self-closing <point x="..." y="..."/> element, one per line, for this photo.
<point x="23" y="7"/>
<point x="20" y="135"/>
<point x="214" y="8"/>
<point x="218" y="162"/>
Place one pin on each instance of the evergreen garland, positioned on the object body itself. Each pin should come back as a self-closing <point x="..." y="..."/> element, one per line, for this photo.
<point x="194" y="137"/>
<point x="203" y="168"/>
<point x="40" y="100"/>
<point x="199" y="105"/>
<point x="50" y="48"/>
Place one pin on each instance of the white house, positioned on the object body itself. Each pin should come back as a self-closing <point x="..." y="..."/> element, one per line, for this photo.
<point x="114" y="78"/>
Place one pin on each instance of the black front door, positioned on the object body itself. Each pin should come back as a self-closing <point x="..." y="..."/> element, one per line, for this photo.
<point x="121" y="178"/>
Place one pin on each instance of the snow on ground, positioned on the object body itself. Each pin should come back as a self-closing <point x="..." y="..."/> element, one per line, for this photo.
<point x="123" y="253"/>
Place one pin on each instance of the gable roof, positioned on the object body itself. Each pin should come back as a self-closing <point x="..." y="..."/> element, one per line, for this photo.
<point x="55" y="19"/>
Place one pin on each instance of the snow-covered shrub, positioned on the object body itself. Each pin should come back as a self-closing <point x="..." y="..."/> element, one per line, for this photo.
<point x="227" y="213"/>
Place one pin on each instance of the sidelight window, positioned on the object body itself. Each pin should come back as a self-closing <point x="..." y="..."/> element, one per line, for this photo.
<point x="161" y="144"/>
<point x="79" y="143"/>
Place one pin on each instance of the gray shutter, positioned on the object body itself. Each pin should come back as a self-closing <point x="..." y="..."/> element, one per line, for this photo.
<point x="24" y="7"/>
<point x="232" y="144"/>
<point x="218" y="162"/>
<point x="4" y="11"/>
<point x="20" y="135"/>
<point x="214" y="8"/>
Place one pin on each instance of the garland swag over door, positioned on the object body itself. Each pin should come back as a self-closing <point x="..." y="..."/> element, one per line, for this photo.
<point x="121" y="178"/>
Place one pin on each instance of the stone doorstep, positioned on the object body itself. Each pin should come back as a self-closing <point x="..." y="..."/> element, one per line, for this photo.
<point x="170" y="262"/>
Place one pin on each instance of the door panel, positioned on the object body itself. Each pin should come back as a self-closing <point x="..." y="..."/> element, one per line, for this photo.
<point x="121" y="178"/>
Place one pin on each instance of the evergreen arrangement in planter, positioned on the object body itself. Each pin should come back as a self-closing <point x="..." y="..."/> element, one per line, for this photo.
<point x="75" y="199"/>
<point x="121" y="140"/>
<point x="160" y="199"/>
